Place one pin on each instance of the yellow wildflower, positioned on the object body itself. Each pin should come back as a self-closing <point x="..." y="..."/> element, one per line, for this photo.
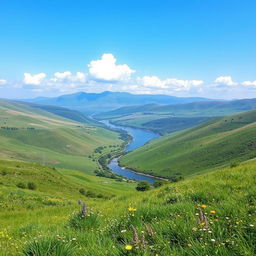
<point x="213" y="212"/>
<point x="131" y="209"/>
<point x="203" y="206"/>
<point x="128" y="247"/>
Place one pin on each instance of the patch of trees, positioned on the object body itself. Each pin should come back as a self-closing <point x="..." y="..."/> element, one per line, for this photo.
<point x="107" y="174"/>
<point x="91" y="194"/>
<point x="9" y="128"/>
<point x="143" y="186"/>
<point x="99" y="149"/>
<point x="29" y="185"/>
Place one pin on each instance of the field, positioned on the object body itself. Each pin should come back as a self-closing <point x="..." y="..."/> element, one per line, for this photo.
<point x="211" y="214"/>
<point x="206" y="147"/>
<point x="36" y="135"/>
<point x="52" y="204"/>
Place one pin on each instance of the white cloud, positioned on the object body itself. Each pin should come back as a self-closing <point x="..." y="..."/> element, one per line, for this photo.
<point x="106" y="69"/>
<point x="33" y="79"/>
<point x="225" y="80"/>
<point x="249" y="84"/>
<point x="172" y="84"/>
<point x="67" y="76"/>
<point x="3" y="81"/>
<point x="152" y="81"/>
<point x="63" y="75"/>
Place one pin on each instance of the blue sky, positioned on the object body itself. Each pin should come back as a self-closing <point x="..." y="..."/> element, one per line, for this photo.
<point x="178" y="47"/>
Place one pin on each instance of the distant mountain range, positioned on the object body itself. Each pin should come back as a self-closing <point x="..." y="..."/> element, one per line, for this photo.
<point x="99" y="102"/>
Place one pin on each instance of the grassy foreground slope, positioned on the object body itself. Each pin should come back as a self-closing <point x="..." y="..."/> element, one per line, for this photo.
<point x="33" y="134"/>
<point x="210" y="145"/>
<point x="212" y="214"/>
<point x="53" y="196"/>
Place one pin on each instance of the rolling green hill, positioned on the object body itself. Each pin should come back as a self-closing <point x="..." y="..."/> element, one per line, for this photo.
<point x="205" y="147"/>
<point x="169" y="118"/>
<point x="211" y="214"/>
<point x="201" y="108"/>
<point x="66" y="113"/>
<point x="34" y="134"/>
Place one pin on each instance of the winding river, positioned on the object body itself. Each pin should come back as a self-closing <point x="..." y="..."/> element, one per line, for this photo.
<point x="140" y="138"/>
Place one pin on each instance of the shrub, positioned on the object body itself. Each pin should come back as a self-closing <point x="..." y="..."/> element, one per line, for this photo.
<point x="82" y="191"/>
<point x="234" y="164"/>
<point x="21" y="185"/>
<point x="49" y="247"/>
<point x="158" y="183"/>
<point x="4" y="172"/>
<point x="90" y="194"/>
<point x="143" y="186"/>
<point x="31" y="186"/>
<point x="100" y="196"/>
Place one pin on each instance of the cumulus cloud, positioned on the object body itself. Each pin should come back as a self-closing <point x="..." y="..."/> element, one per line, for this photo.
<point x="33" y="79"/>
<point x="105" y="74"/>
<point x="3" y="81"/>
<point x="63" y="75"/>
<point x="106" y="69"/>
<point x="249" y="84"/>
<point x="67" y="76"/>
<point x="225" y="80"/>
<point x="170" y="83"/>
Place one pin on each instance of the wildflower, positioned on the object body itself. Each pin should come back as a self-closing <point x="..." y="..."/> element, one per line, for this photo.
<point x="213" y="240"/>
<point x="150" y="230"/>
<point x="84" y="210"/>
<point x="135" y="235"/>
<point x="123" y="231"/>
<point x="213" y="212"/>
<point x="189" y="245"/>
<point x="203" y="206"/>
<point x="131" y="209"/>
<point x="128" y="247"/>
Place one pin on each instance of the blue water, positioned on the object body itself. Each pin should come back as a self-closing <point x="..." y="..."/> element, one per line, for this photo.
<point x="140" y="138"/>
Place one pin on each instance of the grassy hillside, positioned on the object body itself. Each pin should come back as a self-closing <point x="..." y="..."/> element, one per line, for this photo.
<point x="66" y="113"/>
<point x="168" y="118"/>
<point x="160" y="125"/>
<point x="33" y="134"/>
<point x="213" y="214"/>
<point x="201" y="108"/>
<point x="205" y="147"/>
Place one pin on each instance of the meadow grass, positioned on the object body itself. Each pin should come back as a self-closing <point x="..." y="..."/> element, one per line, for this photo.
<point x="206" y="147"/>
<point x="31" y="134"/>
<point x="211" y="214"/>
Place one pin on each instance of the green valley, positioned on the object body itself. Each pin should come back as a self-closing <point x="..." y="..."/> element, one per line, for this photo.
<point x="169" y="118"/>
<point x="208" y="146"/>
<point x="33" y="134"/>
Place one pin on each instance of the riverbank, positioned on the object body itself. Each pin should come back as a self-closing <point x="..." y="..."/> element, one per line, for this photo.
<point x="141" y="173"/>
<point x="139" y="138"/>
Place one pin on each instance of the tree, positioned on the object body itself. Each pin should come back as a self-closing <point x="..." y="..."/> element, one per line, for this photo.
<point x="143" y="186"/>
<point x="31" y="186"/>
<point x="158" y="183"/>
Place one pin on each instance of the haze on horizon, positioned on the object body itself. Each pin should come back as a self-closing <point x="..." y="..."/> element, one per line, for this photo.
<point x="180" y="48"/>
